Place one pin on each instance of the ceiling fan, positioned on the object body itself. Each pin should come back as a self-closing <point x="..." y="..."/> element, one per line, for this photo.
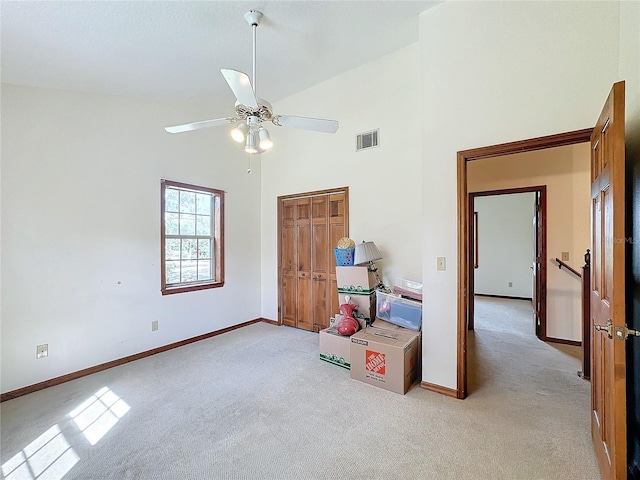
<point x="251" y="111"/>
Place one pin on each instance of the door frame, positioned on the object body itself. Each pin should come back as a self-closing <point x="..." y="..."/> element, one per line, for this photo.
<point x="464" y="156"/>
<point x="541" y="278"/>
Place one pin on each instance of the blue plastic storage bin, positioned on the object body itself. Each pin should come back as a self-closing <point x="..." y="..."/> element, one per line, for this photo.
<point x="399" y="311"/>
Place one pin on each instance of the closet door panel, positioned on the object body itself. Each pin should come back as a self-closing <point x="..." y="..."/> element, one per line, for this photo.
<point x="320" y="262"/>
<point x="303" y="233"/>
<point x="288" y="264"/>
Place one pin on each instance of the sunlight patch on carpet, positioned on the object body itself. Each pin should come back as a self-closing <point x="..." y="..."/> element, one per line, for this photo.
<point x="48" y="457"/>
<point x="98" y="414"/>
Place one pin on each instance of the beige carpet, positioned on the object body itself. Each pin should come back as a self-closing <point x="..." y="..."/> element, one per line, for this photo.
<point x="257" y="403"/>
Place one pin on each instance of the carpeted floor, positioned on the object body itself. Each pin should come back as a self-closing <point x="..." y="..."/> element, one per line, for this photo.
<point x="257" y="403"/>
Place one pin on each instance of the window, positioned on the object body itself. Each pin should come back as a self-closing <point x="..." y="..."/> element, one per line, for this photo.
<point x="192" y="237"/>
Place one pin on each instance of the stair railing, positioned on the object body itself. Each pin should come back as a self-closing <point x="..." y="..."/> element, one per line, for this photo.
<point x="585" y="277"/>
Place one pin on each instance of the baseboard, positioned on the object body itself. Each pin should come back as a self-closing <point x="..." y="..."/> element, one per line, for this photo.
<point x="501" y="296"/>
<point x="575" y="343"/>
<point x="267" y="320"/>
<point x="432" y="387"/>
<point x="121" y="361"/>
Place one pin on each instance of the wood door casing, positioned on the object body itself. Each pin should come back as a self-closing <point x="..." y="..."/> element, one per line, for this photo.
<point x="309" y="226"/>
<point x="464" y="295"/>
<point x="338" y="228"/>
<point x="608" y="367"/>
<point x="540" y="247"/>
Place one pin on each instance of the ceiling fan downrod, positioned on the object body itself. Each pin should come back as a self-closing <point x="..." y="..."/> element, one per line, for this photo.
<point x="253" y="18"/>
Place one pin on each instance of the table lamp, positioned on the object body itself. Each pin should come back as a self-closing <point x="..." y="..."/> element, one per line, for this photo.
<point x="365" y="254"/>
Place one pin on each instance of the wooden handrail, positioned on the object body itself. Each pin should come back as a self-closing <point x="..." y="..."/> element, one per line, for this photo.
<point x="585" y="373"/>
<point x="562" y="264"/>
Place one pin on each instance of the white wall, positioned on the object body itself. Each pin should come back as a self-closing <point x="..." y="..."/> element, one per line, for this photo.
<point x="505" y="245"/>
<point x="495" y="72"/>
<point x="384" y="182"/>
<point x="566" y="173"/>
<point x="81" y="229"/>
<point x="630" y="70"/>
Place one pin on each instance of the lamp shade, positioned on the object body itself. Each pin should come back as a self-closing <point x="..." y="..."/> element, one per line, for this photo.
<point x="240" y="132"/>
<point x="265" y="140"/>
<point x="250" y="146"/>
<point x="366" y="252"/>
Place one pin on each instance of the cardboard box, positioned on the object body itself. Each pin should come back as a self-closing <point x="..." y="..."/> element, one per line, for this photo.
<point x="355" y="280"/>
<point x="365" y="306"/>
<point x="386" y="358"/>
<point x="379" y="323"/>
<point x="335" y="348"/>
<point x="400" y="311"/>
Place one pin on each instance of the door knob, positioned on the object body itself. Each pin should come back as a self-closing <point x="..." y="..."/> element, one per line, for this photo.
<point x="605" y="328"/>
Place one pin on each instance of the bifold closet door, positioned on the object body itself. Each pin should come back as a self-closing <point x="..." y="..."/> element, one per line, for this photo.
<point x="310" y="227"/>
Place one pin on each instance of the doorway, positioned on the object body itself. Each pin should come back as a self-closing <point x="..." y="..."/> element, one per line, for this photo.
<point x="511" y="260"/>
<point x="464" y="214"/>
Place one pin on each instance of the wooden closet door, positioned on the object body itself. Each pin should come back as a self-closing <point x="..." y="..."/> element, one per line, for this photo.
<point x="320" y="262"/>
<point x="288" y="262"/>
<point x="310" y="226"/>
<point x="303" y="286"/>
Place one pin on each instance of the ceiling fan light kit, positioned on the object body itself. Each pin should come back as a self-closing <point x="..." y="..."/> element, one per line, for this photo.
<point x="251" y="111"/>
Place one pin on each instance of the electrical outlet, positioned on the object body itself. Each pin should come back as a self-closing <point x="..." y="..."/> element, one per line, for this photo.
<point x="42" y="351"/>
<point x="565" y="256"/>
<point x="442" y="263"/>
<point x="511" y="284"/>
<point x="154" y="325"/>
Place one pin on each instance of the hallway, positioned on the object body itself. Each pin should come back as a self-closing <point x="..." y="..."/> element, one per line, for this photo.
<point x="504" y="352"/>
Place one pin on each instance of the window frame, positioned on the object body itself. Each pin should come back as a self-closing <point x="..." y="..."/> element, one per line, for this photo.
<point x="217" y="249"/>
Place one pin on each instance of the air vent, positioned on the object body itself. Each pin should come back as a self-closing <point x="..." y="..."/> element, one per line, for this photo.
<point x="367" y="139"/>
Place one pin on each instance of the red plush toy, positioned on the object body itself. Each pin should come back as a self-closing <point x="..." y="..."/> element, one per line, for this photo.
<point x="348" y="325"/>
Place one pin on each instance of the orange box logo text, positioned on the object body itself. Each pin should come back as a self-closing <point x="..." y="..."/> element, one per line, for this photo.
<point x="375" y="362"/>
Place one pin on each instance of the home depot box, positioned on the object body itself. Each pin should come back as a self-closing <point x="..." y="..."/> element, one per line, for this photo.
<point x="386" y="358"/>
<point x="365" y="306"/>
<point x="335" y="348"/>
<point x="355" y="280"/>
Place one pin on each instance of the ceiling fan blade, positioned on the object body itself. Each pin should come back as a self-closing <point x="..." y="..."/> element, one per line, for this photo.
<point x="198" y="125"/>
<point x="241" y="87"/>
<point x="306" y="123"/>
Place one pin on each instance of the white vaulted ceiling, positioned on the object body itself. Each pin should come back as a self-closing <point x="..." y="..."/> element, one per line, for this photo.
<point x="175" y="49"/>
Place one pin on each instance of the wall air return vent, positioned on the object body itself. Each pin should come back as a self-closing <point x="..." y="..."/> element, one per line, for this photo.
<point x="367" y="139"/>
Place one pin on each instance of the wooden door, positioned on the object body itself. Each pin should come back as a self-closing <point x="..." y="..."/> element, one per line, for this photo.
<point x="304" y="310"/>
<point x="538" y="243"/>
<point x="309" y="226"/>
<point x="608" y="369"/>
<point x="288" y="262"/>
<point x="320" y="262"/>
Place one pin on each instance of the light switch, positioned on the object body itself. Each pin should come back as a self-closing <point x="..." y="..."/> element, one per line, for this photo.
<point x="442" y="263"/>
<point x="565" y="256"/>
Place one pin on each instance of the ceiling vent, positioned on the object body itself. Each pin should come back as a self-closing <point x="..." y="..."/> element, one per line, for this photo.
<point x="367" y="139"/>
